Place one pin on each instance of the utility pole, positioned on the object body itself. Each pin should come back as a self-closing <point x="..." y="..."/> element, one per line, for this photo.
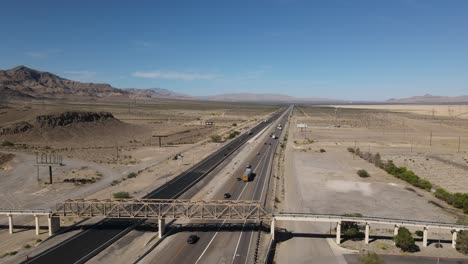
<point x="430" y="139"/>
<point x="459" y="143"/>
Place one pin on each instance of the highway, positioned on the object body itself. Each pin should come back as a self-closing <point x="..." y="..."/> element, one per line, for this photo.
<point x="88" y="243"/>
<point x="218" y="242"/>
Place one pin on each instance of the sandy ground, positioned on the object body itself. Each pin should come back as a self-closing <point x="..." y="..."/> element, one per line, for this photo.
<point x="133" y="245"/>
<point x="454" y="111"/>
<point x="152" y="165"/>
<point x="327" y="183"/>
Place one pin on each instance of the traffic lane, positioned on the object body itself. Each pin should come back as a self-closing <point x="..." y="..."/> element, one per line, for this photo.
<point x="73" y="248"/>
<point x="390" y="259"/>
<point x="189" y="254"/>
<point x="226" y="244"/>
<point x="247" y="237"/>
<point x="183" y="254"/>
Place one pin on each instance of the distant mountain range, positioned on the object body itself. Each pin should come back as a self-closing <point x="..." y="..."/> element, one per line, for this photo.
<point x="272" y="98"/>
<point x="27" y="83"/>
<point x="430" y="99"/>
<point x="155" y="93"/>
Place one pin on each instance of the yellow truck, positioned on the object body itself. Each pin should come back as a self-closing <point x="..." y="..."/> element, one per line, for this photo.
<point x="247" y="176"/>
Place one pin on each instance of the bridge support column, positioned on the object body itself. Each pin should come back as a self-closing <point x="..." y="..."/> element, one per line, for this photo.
<point x="395" y="232"/>
<point x="272" y="229"/>
<point x="425" y="237"/>
<point x="338" y="233"/>
<point x="10" y="223"/>
<point x="454" y="238"/>
<point x="36" y="220"/>
<point x="161" y="227"/>
<point x="54" y="224"/>
<point x="366" y="238"/>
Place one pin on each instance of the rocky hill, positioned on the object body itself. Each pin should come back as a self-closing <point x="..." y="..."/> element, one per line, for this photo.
<point x="155" y="93"/>
<point x="22" y="81"/>
<point x="56" y="120"/>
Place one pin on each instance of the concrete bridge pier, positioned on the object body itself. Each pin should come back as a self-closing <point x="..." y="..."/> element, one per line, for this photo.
<point x="36" y="220"/>
<point x="454" y="237"/>
<point x="425" y="237"/>
<point x="272" y="229"/>
<point x="161" y="227"/>
<point x="54" y="224"/>
<point x="366" y="238"/>
<point x="338" y="233"/>
<point x="10" y="223"/>
<point x="395" y="232"/>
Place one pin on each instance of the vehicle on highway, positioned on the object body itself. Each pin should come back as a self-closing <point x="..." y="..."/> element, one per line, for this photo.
<point x="250" y="132"/>
<point x="248" y="174"/>
<point x="239" y="179"/>
<point x="258" y="153"/>
<point x="274" y="137"/>
<point x="192" y="239"/>
<point x="227" y="195"/>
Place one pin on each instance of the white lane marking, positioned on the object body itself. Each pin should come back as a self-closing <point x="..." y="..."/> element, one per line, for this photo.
<point x="211" y="241"/>
<point x="240" y="195"/>
<point x="250" y="241"/>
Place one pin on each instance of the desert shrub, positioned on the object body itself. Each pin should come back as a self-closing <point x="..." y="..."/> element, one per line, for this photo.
<point x="353" y="233"/>
<point x="234" y="124"/>
<point x="115" y="182"/>
<point x="378" y="160"/>
<point x="363" y="173"/>
<point x="350" y="230"/>
<point x="351" y="150"/>
<point x="458" y="200"/>
<point x="216" y="138"/>
<point x="462" y="242"/>
<point x="370" y="258"/>
<point x="407" y="175"/>
<point x="405" y="241"/>
<point x="7" y="144"/>
<point x="419" y="233"/>
<point x="233" y="134"/>
<point x="322" y="150"/>
<point x="121" y="195"/>
<point x="131" y="175"/>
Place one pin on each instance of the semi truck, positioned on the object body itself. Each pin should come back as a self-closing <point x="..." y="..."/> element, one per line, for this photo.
<point x="247" y="176"/>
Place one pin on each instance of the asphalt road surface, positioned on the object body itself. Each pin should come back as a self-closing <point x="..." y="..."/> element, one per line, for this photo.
<point x="221" y="242"/>
<point x="86" y="244"/>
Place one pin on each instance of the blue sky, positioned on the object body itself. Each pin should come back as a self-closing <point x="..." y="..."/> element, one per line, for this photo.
<point x="356" y="50"/>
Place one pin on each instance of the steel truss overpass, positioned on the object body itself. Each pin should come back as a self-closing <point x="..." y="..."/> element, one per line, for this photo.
<point x="229" y="210"/>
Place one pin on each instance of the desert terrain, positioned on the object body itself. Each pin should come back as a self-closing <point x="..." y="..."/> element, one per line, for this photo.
<point x="114" y="149"/>
<point x="321" y="174"/>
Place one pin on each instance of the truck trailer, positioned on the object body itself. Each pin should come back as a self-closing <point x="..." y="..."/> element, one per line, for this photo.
<point x="247" y="176"/>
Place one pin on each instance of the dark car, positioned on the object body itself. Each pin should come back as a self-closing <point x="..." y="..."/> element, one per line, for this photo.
<point x="192" y="239"/>
<point x="239" y="179"/>
<point x="258" y="153"/>
<point x="227" y="195"/>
